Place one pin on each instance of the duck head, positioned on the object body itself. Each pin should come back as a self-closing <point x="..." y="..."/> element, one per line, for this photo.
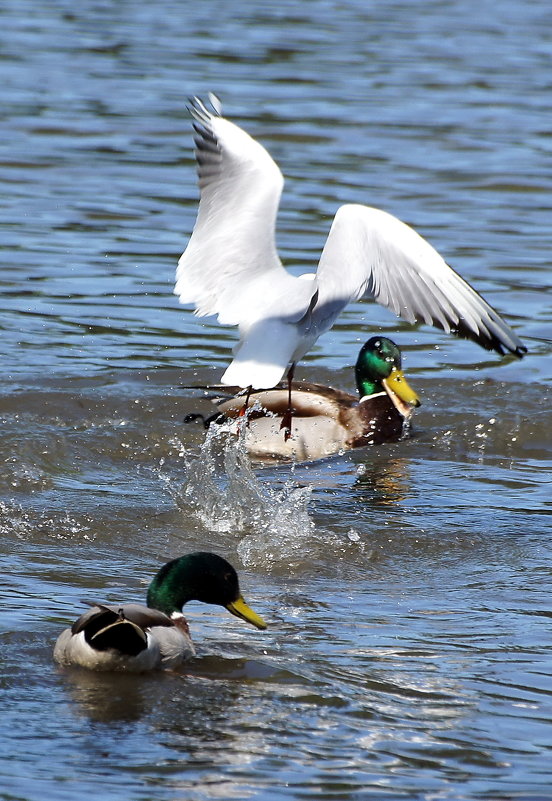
<point x="378" y="368"/>
<point x="200" y="576"/>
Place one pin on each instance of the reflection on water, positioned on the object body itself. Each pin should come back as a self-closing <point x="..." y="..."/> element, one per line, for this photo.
<point x="115" y="699"/>
<point x="384" y="481"/>
<point x="407" y="586"/>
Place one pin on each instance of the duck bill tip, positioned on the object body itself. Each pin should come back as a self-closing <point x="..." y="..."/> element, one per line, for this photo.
<point x="398" y="388"/>
<point x="240" y="609"/>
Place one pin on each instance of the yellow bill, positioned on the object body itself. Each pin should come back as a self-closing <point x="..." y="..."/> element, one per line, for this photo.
<point x="241" y="609"/>
<point x="397" y="384"/>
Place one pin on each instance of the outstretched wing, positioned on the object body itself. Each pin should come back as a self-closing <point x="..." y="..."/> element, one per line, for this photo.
<point x="231" y="265"/>
<point x="369" y="251"/>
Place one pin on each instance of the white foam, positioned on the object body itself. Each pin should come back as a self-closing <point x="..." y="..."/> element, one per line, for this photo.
<point x="226" y="495"/>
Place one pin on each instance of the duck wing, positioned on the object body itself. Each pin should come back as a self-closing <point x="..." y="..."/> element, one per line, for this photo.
<point x="101" y="615"/>
<point x="370" y="252"/>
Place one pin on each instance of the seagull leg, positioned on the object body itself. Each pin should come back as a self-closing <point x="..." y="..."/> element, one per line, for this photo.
<point x="243" y="410"/>
<point x="287" y="416"/>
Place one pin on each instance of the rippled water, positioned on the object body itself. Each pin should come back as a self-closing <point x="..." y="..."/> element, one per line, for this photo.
<point x="407" y="586"/>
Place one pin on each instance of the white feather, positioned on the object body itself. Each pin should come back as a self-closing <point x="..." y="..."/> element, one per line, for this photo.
<point x="231" y="268"/>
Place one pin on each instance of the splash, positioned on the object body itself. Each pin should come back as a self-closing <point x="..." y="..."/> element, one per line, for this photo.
<point x="225" y="494"/>
<point x="14" y="519"/>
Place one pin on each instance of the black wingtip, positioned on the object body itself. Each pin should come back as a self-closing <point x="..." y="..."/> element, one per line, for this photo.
<point x="494" y="336"/>
<point x="518" y="351"/>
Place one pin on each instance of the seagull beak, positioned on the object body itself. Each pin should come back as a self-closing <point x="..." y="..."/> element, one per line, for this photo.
<point x="397" y="385"/>
<point x="241" y="609"/>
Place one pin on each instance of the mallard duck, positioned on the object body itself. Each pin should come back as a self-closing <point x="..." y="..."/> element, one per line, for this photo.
<point x="231" y="268"/>
<point x="327" y="420"/>
<point x="137" y="638"/>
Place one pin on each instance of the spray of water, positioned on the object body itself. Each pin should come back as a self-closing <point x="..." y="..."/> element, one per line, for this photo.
<point x="27" y="525"/>
<point x="226" y="495"/>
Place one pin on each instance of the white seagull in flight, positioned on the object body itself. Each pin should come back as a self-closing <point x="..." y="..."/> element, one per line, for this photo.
<point x="231" y="267"/>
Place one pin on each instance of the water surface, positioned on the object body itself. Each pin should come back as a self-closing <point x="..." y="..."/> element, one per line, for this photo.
<point x="407" y="586"/>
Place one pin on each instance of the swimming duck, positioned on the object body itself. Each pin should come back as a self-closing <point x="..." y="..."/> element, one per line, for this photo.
<point x="231" y="268"/>
<point x="327" y="420"/>
<point x="136" y="638"/>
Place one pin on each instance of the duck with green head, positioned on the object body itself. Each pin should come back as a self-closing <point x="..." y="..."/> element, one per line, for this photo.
<point x="133" y="637"/>
<point x="327" y="420"/>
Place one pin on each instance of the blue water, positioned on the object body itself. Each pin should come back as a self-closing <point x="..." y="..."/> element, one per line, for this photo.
<point x="407" y="587"/>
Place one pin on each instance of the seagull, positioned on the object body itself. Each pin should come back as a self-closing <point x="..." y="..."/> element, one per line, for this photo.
<point x="231" y="267"/>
